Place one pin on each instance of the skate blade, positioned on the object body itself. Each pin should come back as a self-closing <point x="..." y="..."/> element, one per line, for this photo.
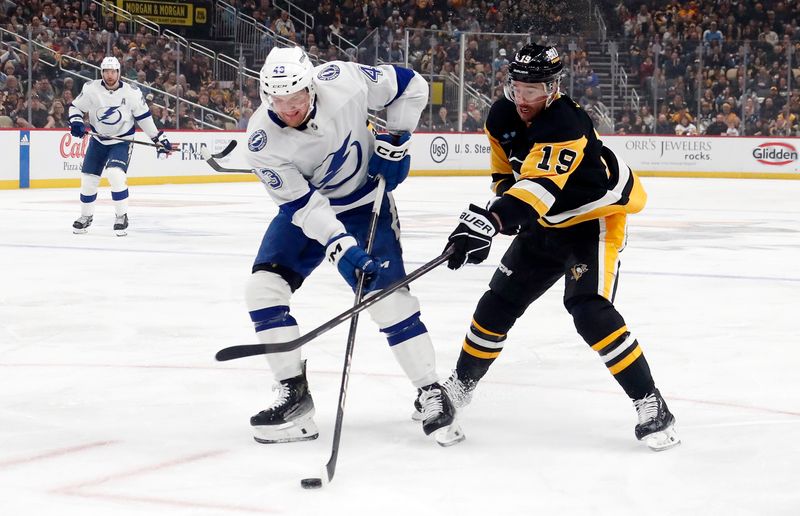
<point x="293" y="431"/>
<point x="449" y="435"/>
<point x="663" y="440"/>
<point x="121" y="232"/>
<point x="77" y="231"/>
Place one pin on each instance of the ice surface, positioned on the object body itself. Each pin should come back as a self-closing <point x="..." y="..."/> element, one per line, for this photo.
<point x="111" y="402"/>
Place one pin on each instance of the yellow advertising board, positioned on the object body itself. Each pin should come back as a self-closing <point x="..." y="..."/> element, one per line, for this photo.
<point x="166" y="13"/>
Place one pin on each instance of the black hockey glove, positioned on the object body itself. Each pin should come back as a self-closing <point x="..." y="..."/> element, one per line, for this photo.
<point x="472" y="238"/>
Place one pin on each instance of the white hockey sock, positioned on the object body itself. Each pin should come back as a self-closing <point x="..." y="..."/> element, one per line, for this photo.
<point x="418" y="360"/>
<point x="119" y="189"/>
<point x="267" y="296"/>
<point x="283" y="365"/>
<point x="89" y="184"/>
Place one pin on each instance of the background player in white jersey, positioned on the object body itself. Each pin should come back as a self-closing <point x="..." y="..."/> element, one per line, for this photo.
<point x="113" y="106"/>
<point x="310" y="144"/>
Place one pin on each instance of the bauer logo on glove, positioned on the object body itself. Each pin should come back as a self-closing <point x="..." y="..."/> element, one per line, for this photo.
<point x="472" y="238"/>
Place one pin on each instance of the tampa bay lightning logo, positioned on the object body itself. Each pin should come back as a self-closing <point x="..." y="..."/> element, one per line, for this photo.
<point x="329" y="73"/>
<point x="269" y="177"/>
<point x="342" y="164"/>
<point x="257" y="140"/>
<point x="109" y="115"/>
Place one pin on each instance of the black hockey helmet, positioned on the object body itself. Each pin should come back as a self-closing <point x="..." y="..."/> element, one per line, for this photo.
<point x="535" y="64"/>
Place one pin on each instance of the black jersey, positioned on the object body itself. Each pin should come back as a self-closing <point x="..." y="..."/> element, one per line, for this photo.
<point x="557" y="167"/>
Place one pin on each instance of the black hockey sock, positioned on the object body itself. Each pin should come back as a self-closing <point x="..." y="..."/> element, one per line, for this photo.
<point x="604" y="329"/>
<point x="483" y="343"/>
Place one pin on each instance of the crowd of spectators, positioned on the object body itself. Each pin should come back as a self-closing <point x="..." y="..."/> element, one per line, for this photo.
<point x="75" y="32"/>
<point x="708" y="80"/>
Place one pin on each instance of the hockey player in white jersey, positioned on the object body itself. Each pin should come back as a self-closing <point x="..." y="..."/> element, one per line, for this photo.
<point x="310" y="144"/>
<point x="113" y="107"/>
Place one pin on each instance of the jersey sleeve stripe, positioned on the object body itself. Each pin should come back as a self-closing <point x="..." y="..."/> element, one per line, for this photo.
<point x="143" y="116"/>
<point x="534" y="194"/>
<point x="291" y="207"/>
<point x="404" y="76"/>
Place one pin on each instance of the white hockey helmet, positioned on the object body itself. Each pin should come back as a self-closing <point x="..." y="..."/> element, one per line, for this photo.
<point x="110" y="63"/>
<point x="287" y="70"/>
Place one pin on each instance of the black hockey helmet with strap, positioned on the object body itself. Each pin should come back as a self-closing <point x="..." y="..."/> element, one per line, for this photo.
<point x="535" y="64"/>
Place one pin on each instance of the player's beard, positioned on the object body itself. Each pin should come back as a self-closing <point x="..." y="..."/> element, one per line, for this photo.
<point x="529" y="110"/>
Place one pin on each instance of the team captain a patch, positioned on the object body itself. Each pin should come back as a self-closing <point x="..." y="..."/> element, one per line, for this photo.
<point x="257" y="140"/>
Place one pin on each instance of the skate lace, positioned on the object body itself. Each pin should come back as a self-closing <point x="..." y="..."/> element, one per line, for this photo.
<point x="431" y="402"/>
<point x="283" y="394"/>
<point x="83" y="219"/>
<point x="646" y="408"/>
<point x="455" y="388"/>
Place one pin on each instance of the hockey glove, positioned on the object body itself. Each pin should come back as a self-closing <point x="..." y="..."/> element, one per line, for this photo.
<point x="472" y="238"/>
<point x="390" y="159"/>
<point x="164" y="146"/>
<point x="343" y="251"/>
<point x="77" y="129"/>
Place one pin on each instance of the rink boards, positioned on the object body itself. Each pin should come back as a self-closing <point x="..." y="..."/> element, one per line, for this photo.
<point x="52" y="158"/>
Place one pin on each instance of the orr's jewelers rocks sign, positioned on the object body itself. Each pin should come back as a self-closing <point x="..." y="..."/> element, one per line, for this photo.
<point x="699" y="154"/>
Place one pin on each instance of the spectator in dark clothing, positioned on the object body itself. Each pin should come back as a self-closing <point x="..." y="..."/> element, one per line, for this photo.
<point x="718" y="127"/>
<point x="441" y="122"/>
<point x="664" y="126"/>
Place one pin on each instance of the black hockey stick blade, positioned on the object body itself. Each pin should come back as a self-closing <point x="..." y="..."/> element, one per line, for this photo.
<point x="211" y="159"/>
<point x="248" y="350"/>
<point x="227" y="150"/>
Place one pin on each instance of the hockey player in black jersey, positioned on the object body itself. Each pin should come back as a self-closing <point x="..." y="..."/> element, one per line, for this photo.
<point x="566" y="197"/>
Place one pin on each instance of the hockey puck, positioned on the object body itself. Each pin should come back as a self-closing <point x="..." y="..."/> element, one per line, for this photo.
<point x="311" y="483"/>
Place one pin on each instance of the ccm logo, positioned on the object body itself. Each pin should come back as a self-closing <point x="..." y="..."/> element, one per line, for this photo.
<point x="394" y="155"/>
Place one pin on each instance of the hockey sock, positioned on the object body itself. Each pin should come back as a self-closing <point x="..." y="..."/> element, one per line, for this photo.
<point x="267" y="296"/>
<point x="413" y="350"/>
<point x="89" y="184"/>
<point x="604" y="329"/>
<point x="483" y="343"/>
<point x="119" y="190"/>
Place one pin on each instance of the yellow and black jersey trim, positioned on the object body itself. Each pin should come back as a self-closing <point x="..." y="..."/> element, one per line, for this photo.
<point x="624" y="194"/>
<point x="499" y="159"/>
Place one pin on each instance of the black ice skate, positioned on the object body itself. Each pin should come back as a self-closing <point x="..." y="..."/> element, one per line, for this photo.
<point x="458" y="390"/>
<point x="121" y="225"/>
<point x="81" y="225"/>
<point x="439" y="415"/>
<point x="656" y="423"/>
<point x="290" y="417"/>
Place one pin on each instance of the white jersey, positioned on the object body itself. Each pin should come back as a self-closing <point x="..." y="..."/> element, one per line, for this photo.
<point x="112" y="112"/>
<point x="320" y="168"/>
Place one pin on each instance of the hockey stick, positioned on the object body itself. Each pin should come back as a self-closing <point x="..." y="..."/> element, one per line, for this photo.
<point x="211" y="159"/>
<point x="175" y="146"/>
<point x="330" y="466"/>
<point x="248" y="350"/>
